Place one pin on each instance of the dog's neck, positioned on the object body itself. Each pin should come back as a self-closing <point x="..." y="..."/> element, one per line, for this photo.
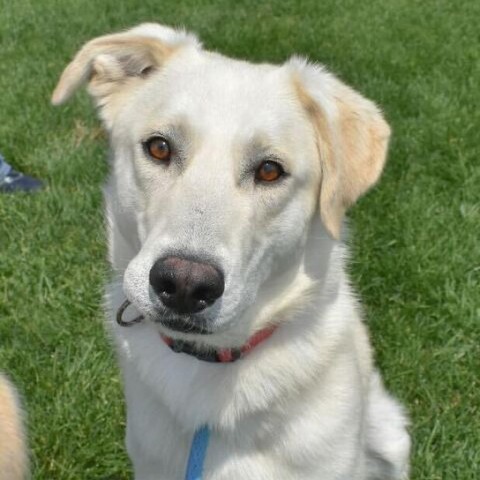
<point x="223" y="355"/>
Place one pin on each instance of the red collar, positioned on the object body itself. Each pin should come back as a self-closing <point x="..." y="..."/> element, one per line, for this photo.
<point x="224" y="355"/>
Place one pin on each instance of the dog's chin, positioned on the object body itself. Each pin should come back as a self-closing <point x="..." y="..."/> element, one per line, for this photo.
<point x="185" y="324"/>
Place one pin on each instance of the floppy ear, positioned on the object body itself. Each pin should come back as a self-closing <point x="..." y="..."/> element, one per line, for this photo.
<point x="112" y="62"/>
<point x="352" y="137"/>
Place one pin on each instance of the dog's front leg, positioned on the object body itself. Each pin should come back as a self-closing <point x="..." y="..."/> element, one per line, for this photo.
<point x="156" y="443"/>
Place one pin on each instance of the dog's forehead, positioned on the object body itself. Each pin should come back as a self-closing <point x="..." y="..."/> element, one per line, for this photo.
<point x="215" y="74"/>
<point x="215" y="91"/>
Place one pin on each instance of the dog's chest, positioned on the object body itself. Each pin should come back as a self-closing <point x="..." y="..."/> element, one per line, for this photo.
<point x="284" y="443"/>
<point x="227" y="460"/>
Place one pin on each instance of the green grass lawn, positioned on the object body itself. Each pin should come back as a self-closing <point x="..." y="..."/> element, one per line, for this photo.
<point x="416" y="252"/>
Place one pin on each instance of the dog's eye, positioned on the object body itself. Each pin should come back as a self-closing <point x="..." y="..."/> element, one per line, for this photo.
<point x="159" y="149"/>
<point x="269" y="171"/>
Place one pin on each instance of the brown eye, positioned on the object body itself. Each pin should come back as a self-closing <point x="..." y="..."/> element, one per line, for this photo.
<point x="159" y="149"/>
<point x="269" y="171"/>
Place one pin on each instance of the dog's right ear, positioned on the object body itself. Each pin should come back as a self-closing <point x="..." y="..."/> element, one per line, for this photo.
<point x="112" y="62"/>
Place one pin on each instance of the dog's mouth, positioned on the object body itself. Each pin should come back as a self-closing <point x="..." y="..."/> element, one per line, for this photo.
<point x="185" y="324"/>
<point x="194" y="324"/>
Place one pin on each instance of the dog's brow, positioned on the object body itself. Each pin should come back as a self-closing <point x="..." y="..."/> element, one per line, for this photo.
<point x="172" y="131"/>
<point x="260" y="148"/>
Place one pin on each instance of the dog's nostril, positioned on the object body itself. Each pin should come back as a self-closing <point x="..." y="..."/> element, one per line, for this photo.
<point x="202" y="294"/>
<point x="168" y="287"/>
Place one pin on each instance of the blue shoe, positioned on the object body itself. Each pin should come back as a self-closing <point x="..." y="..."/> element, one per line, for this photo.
<point x="13" y="181"/>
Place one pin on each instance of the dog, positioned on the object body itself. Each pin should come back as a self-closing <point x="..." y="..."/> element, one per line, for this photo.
<point x="13" y="456"/>
<point x="228" y="187"/>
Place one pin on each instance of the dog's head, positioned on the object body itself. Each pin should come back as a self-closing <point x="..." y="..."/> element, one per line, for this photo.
<point x="221" y="169"/>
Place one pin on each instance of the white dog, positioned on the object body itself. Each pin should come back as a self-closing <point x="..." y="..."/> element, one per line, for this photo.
<point x="225" y="202"/>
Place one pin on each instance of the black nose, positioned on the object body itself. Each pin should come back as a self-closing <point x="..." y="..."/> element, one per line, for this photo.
<point x="186" y="286"/>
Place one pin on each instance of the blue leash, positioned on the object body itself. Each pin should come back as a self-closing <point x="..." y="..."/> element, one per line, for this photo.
<point x="198" y="452"/>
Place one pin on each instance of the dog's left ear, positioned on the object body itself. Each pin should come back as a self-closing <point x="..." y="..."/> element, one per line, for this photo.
<point x="112" y="63"/>
<point x="352" y="138"/>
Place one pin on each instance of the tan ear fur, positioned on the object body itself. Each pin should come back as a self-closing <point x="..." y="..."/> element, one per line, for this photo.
<point x="114" y="63"/>
<point x="108" y="60"/>
<point x="352" y="139"/>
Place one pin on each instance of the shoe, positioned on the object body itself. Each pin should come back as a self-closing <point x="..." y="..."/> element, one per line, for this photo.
<point x="13" y="181"/>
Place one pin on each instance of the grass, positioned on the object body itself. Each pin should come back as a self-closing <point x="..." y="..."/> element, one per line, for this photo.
<point x="416" y="255"/>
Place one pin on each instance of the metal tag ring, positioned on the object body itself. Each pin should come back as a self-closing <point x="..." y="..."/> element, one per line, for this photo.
<point x="120" y="313"/>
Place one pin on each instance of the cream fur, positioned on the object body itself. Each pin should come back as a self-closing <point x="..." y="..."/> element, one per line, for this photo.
<point x="307" y="403"/>
<point x="13" y="457"/>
